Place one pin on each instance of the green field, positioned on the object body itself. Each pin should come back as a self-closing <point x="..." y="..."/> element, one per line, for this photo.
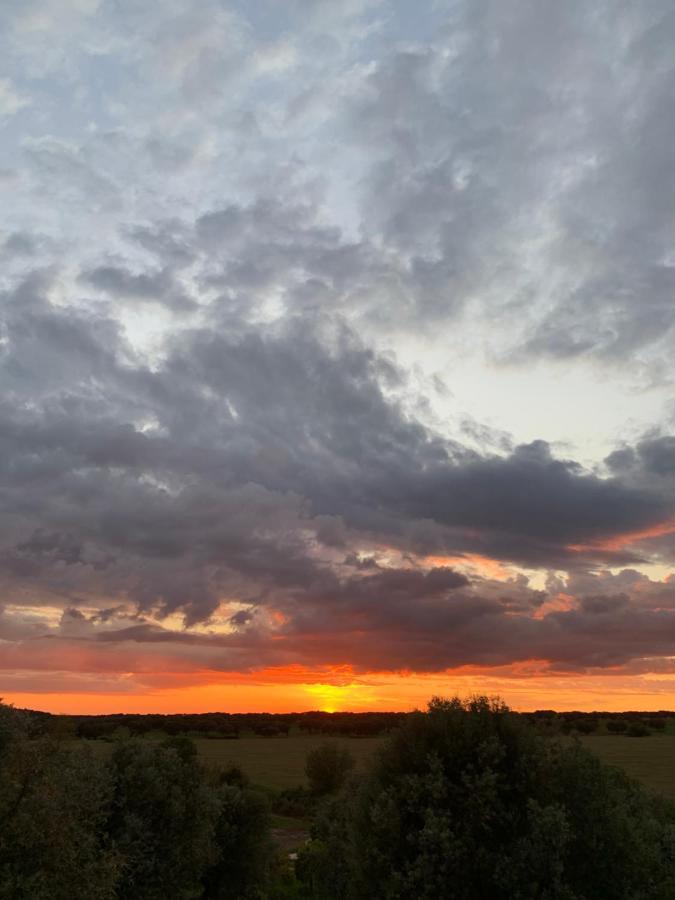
<point x="275" y="762"/>
<point x="650" y="760"/>
<point x="278" y="762"/>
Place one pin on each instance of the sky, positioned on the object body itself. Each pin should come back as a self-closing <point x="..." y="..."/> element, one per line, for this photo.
<point x="336" y="347"/>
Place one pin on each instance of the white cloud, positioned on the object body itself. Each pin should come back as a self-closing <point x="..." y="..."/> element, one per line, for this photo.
<point x="11" y="100"/>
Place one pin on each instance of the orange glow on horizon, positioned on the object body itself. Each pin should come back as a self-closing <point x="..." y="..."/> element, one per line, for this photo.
<point x="527" y="685"/>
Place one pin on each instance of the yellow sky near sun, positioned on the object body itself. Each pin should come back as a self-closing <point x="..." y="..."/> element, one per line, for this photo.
<point x="372" y="692"/>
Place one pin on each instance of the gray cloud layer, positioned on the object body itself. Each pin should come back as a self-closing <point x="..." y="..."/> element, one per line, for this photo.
<point x="216" y="259"/>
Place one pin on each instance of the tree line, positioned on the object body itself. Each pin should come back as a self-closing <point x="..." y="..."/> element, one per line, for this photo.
<point x="221" y="725"/>
<point x="218" y="724"/>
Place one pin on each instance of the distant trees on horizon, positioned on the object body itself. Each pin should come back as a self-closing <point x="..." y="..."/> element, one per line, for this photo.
<point x="229" y="726"/>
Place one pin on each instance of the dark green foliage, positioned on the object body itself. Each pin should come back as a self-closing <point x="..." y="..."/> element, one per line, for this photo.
<point x="617" y="726"/>
<point x="587" y="725"/>
<point x="638" y="729"/>
<point x="148" y="824"/>
<point x="297" y="802"/>
<point x="657" y="723"/>
<point x="285" y="884"/>
<point x="327" y="767"/>
<point x="243" y="845"/>
<point x="469" y="801"/>
<point x="162" y="821"/>
<point x="233" y="775"/>
<point x="224" y="725"/>
<point x="53" y="807"/>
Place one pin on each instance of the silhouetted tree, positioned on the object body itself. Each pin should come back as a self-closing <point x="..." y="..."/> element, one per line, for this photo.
<point x="469" y="801"/>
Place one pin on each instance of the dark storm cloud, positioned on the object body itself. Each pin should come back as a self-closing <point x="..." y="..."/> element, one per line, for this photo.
<point x="654" y="455"/>
<point x="223" y="471"/>
<point x="428" y="623"/>
<point x="496" y="172"/>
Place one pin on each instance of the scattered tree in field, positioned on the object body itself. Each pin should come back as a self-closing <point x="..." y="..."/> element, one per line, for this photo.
<point x="638" y="729"/>
<point x="587" y="725"/>
<point x="469" y="801"/>
<point x="617" y="726"/>
<point x="327" y="767"/>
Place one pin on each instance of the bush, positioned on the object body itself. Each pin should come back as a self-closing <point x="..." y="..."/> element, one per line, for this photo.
<point x="327" y="767"/>
<point x="617" y="726"/>
<point x="467" y="801"/>
<point x="297" y="802"/>
<point x="586" y="725"/>
<point x="638" y="729"/>
<point x="657" y="723"/>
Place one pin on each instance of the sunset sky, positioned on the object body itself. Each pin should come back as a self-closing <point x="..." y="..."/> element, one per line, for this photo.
<point x="336" y="354"/>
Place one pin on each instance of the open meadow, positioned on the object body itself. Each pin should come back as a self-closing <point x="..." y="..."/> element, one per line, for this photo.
<point x="274" y="763"/>
<point x="278" y="763"/>
<point x="650" y="760"/>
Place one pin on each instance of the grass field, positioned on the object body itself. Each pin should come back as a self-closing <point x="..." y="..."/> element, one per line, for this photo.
<point x="274" y="763"/>
<point x="280" y="762"/>
<point x="277" y="762"/>
<point x="650" y="760"/>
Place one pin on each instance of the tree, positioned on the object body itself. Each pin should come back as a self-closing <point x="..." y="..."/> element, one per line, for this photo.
<point x="467" y="801"/>
<point x="162" y="820"/>
<point x="242" y="842"/>
<point x="617" y="726"/>
<point x="53" y="808"/>
<point x="148" y="823"/>
<point x="327" y="767"/>
<point x="638" y="729"/>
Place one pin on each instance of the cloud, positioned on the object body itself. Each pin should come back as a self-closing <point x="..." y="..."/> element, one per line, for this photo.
<point x="237" y="468"/>
<point x="238" y="256"/>
<point x="11" y="101"/>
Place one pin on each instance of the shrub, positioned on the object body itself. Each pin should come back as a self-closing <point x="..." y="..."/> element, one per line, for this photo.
<point x="586" y="725"/>
<point x="327" y="767"/>
<point x="657" y="723"/>
<point x="617" y="726"/>
<point x="638" y="729"/>
<point x="298" y="802"/>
